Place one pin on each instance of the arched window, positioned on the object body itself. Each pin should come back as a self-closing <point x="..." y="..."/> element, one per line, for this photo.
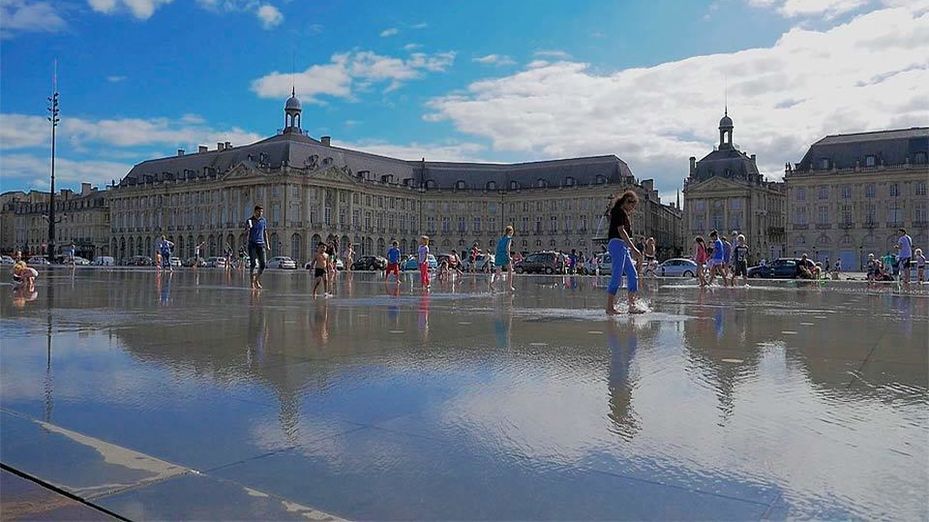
<point x="460" y="185"/>
<point x="491" y="185"/>
<point x="514" y="185"/>
<point x="541" y="183"/>
<point x="551" y="243"/>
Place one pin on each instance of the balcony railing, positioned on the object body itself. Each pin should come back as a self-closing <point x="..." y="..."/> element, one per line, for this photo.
<point x="801" y="227"/>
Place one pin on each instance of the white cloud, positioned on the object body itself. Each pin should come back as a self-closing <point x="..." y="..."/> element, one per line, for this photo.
<point x="415" y="150"/>
<point x="389" y="32"/>
<point x="421" y="25"/>
<point x="22" y="16"/>
<point x="829" y="9"/>
<point x="21" y="131"/>
<point x="115" y="79"/>
<point x="869" y="73"/>
<point x="558" y="55"/>
<point x="32" y="172"/>
<point x="494" y="59"/>
<point x="270" y="16"/>
<point x="411" y="46"/>
<point x="139" y="9"/>
<point x="348" y="71"/>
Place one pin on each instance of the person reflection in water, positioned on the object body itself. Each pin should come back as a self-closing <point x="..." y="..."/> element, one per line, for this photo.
<point x="423" y="318"/>
<point x="257" y="331"/>
<point x="622" y="345"/>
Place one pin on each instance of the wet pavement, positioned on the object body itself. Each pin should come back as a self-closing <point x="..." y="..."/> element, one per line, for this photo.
<point x="186" y="395"/>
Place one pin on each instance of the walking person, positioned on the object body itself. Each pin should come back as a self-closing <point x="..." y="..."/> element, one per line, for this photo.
<point x="700" y="257"/>
<point x="622" y="249"/>
<point x="349" y="256"/>
<point x="256" y="229"/>
<point x="321" y="270"/>
<point x="165" y="250"/>
<point x="502" y="258"/>
<point x="739" y="260"/>
<point x="727" y="259"/>
<point x="650" y="263"/>
<point x="423" y="261"/>
<point x="905" y="255"/>
<point x="716" y="261"/>
<point x="393" y="262"/>
<point x="71" y="250"/>
<point x="197" y="250"/>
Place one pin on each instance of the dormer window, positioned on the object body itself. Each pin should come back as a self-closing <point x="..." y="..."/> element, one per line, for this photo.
<point x="430" y="184"/>
<point x="824" y="163"/>
<point x="541" y="183"/>
<point x="491" y="185"/>
<point x="601" y="180"/>
<point x="460" y="185"/>
<point x="870" y="160"/>
<point x="920" y="158"/>
<point x="569" y="181"/>
<point x="514" y="185"/>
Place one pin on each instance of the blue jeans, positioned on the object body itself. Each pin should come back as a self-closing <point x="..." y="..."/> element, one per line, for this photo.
<point x="256" y="257"/>
<point x="622" y="264"/>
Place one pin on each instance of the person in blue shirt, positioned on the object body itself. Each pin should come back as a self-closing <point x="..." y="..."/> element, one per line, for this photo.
<point x="165" y="247"/>
<point x="393" y="262"/>
<point x="256" y="228"/>
<point x="717" y="260"/>
<point x="502" y="258"/>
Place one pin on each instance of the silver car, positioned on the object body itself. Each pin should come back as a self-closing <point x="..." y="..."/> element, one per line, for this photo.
<point x="677" y="267"/>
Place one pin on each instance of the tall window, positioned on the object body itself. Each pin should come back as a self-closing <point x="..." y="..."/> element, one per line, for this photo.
<point x="822" y="192"/>
<point x="538" y="225"/>
<point x="870" y="160"/>
<point x="920" y="188"/>
<point x="553" y="225"/>
<point x="477" y="224"/>
<point x="847" y="214"/>
<point x="525" y="224"/>
<point x="894" y="190"/>
<point x="823" y="215"/>
<point x="895" y="213"/>
<point x="801" y="194"/>
<point x="919" y="212"/>
<point x="430" y="224"/>
<point x="801" y="216"/>
<point x="870" y="213"/>
<point x="846" y="192"/>
<point x="869" y="190"/>
<point x="446" y="225"/>
<point x="462" y="225"/>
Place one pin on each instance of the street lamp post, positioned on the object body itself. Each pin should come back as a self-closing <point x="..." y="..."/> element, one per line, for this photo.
<point x="53" y="118"/>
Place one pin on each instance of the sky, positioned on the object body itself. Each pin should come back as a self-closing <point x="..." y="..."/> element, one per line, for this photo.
<point x="472" y="81"/>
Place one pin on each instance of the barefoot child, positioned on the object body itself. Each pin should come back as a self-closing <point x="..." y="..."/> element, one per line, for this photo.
<point x="320" y="270"/>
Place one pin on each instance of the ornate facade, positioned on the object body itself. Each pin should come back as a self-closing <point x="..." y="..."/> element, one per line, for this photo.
<point x="312" y="190"/>
<point x="850" y="194"/>
<point x="84" y="220"/>
<point x="725" y="191"/>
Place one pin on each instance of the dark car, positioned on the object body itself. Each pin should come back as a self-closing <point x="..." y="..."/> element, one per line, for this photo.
<point x="370" y="263"/>
<point x="781" y="268"/>
<point x="542" y="263"/>
<point x="140" y="261"/>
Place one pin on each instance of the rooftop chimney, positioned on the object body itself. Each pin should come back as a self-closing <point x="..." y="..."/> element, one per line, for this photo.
<point x="693" y="164"/>
<point x="85" y="189"/>
<point x="753" y="158"/>
<point x="326" y="140"/>
<point x="201" y="148"/>
<point x="219" y="145"/>
<point x="180" y="152"/>
<point x="227" y="145"/>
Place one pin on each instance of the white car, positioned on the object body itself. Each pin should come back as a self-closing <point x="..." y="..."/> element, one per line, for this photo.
<point x="78" y="260"/>
<point x="6" y="260"/>
<point x="678" y="267"/>
<point x="38" y="260"/>
<point x="339" y="265"/>
<point x="482" y="263"/>
<point x="104" y="261"/>
<point x="175" y="261"/>
<point x="282" y="262"/>
<point x="215" y="262"/>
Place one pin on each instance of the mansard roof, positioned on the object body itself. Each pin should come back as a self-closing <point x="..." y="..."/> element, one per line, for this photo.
<point x="727" y="162"/>
<point x="299" y="151"/>
<point x="889" y="147"/>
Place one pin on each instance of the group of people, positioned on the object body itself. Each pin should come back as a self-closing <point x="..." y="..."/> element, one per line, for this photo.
<point x="721" y="259"/>
<point x="882" y="269"/>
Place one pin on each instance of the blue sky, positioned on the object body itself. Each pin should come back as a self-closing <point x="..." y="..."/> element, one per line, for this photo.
<point x="491" y="81"/>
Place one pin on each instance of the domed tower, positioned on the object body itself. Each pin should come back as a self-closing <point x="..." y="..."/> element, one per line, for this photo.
<point x="292" y="110"/>
<point x="725" y="131"/>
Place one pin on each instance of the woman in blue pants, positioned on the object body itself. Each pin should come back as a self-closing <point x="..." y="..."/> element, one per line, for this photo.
<point x="622" y="249"/>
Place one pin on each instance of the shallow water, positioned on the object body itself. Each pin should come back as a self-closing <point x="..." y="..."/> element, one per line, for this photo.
<point x="779" y="400"/>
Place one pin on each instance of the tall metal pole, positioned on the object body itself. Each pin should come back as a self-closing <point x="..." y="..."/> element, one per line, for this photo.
<point x="53" y="118"/>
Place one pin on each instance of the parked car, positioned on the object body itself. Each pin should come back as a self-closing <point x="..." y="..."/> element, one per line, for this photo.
<point x="781" y="268"/>
<point x="6" y="260"/>
<point x="677" y="267"/>
<point x="38" y="260"/>
<point x="83" y="261"/>
<point x="370" y="263"/>
<point x="284" y="262"/>
<point x="140" y="261"/>
<point x="412" y="263"/>
<point x="542" y="263"/>
<point x="215" y="262"/>
<point x="104" y="261"/>
<point x="175" y="261"/>
<point x="482" y="263"/>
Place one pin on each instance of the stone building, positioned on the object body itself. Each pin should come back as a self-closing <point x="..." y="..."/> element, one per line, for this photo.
<point x="84" y="220"/>
<point x="312" y="190"/>
<point x="851" y="192"/>
<point x="725" y="191"/>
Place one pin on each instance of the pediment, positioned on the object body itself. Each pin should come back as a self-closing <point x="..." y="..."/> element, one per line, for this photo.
<point x="241" y="170"/>
<point x="341" y="174"/>
<point x="715" y="184"/>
